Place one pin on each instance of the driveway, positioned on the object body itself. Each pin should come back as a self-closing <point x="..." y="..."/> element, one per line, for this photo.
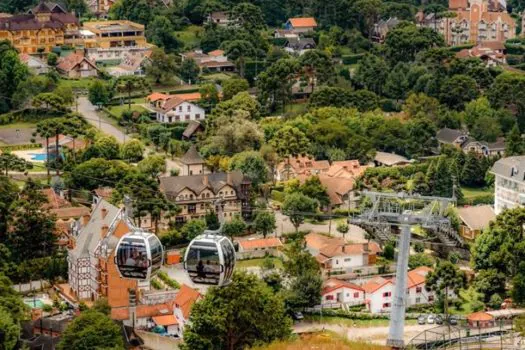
<point x="355" y="234"/>
<point x="89" y="112"/>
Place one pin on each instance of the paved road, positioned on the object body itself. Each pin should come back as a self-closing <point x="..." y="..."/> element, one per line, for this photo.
<point x="355" y="234"/>
<point x="89" y="112"/>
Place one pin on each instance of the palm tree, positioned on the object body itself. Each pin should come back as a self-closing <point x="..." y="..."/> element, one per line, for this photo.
<point x="43" y="130"/>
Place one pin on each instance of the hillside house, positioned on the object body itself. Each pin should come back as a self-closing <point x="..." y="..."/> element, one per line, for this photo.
<point x="176" y="109"/>
<point x="341" y="292"/>
<point x="193" y="163"/>
<point x="301" y="24"/>
<point x="77" y="66"/>
<point x="474" y="220"/>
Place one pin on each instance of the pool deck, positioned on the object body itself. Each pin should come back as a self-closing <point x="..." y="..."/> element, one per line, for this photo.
<point x="28" y="155"/>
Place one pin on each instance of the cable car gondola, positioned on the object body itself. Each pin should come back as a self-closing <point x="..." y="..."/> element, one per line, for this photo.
<point x="139" y="255"/>
<point x="210" y="259"/>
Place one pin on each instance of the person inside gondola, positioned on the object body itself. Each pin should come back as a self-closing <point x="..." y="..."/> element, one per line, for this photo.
<point x="200" y="270"/>
<point x="131" y="261"/>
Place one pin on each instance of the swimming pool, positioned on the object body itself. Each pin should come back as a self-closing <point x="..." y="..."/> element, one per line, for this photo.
<point x="34" y="303"/>
<point x="38" y="156"/>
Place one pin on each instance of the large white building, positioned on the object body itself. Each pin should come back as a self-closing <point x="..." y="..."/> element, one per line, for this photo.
<point x="509" y="184"/>
<point x="176" y="110"/>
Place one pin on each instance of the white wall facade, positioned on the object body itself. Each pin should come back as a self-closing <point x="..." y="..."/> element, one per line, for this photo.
<point x="381" y="299"/>
<point x="184" y="112"/>
<point x="508" y="193"/>
<point x="344" y="295"/>
<point x="348" y="261"/>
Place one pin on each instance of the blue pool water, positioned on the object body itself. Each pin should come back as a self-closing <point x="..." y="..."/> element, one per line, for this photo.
<point x="38" y="156"/>
<point x="34" y="303"/>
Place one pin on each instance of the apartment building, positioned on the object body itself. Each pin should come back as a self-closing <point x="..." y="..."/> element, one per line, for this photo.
<point x="44" y="27"/>
<point x="475" y="21"/>
<point x="197" y="194"/>
<point x="509" y="183"/>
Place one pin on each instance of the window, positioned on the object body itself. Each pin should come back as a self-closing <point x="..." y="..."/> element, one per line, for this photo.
<point x="348" y="259"/>
<point x="356" y="295"/>
<point x="187" y="117"/>
<point x="177" y="117"/>
<point x="329" y="297"/>
<point x="430" y="298"/>
<point x="180" y="108"/>
<point x="189" y="108"/>
<point x="385" y="305"/>
<point x="418" y="300"/>
<point x="387" y="294"/>
<point x="419" y="289"/>
<point x="197" y="116"/>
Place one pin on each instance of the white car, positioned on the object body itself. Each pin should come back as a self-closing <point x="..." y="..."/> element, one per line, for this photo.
<point x="431" y="319"/>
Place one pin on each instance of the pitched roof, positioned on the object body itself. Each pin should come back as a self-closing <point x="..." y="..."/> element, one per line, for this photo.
<point x="192" y="127"/>
<point x="480" y="316"/>
<point x="165" y="320"/>
<point x="457" y="4"/>
<point x="171" y="103"/>
<point x="172" y="185"/>
<point x="103" y="192"/>
<point x="192" y="156"/>
<point x="89" y="235"/>
<point x="346" y="168"/>
<point x="70" y="212"/>
<point x="69" y="62"/>
<point x="333" y="246"/>
<point x="318" y="241"/>
<point x="336" y="188"/>
<point x="143" y="311"/>
<point x="390" y="158"/>
<point x="303" y="22"/>
<point x="250" y="244"/>
<point x="216" y="53"/>
<point x="157" y="96"/>
<point x="54" y="200"/>
<point x="447" y="135"/>
<point x="417" y="276"/>
<point x="299" y="43"/>
<point x="185" y="299"/>
<point x="511" y="167"/>
<point x="303" y="164"/>
<point x="190" y="96"/>
<point x="477" y="217"/>
<point x="374" y="284"/>
<point x="333" y="284"/>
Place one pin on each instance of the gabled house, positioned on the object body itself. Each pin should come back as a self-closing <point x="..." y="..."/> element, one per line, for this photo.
<point x="301" y="24"/>
<point x="298" y="45"/>
<point x="291" y="167"/>
<point x="184" y="301"/>
<point x="382" y="28"/>
<point x="258" y="247"/>
<point x="193" y="163"/>
<point x="491" y="53"/>
<point x="341" y="292"/>
<point x="196" y="194"/>
<point x="176" y="109"/>
<point x="133" y="63"/>
<point x="220" y="18"/>
<point x="336" y="255"/>
<point x="212" y="61"/>
<point x="461" y="140"/>
<point x="77" y="66"/>
<point x="474" y="220"/>
<point x="192" y="130"/>
<point x="452" y="137"/>
<point x="35" y="64"/>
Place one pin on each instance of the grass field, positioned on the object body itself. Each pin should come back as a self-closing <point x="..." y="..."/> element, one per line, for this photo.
<point x="257" y="263"/>
<point x="471" y="193"/>
<point x="353" y="323"/>
<point x="321" y="341"/>
<point x="75" y="84"/>
<point x="118" y="110"/>
<point x="472" y="302"/>
<point x="20" y="125"/>
<point x="190" y="37"/>
<point x="216" y="76"/>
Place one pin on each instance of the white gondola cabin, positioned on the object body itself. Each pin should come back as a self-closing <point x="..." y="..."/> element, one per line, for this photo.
<point x="139" y="255"/>
<point x="210" y="259"/>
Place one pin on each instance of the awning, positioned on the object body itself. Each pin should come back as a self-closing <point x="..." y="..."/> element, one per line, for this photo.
<point x="166" y="320"/>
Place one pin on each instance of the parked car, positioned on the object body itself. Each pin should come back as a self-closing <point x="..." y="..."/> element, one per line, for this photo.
<point x="297" y="315"/>
<point x="422" y="319"/>
<point x="431" y="319"/>
<point x="439" y="319"/>
<point x="453" y="320"/>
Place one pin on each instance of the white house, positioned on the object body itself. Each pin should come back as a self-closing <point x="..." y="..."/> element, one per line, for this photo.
<point x="175" y="110"/>
<point x="379" y="291"/>
<point x="509" y="184"/>
<point x="341" y="292"/>
<point x="35" y="64"/>
<point x="184" y="301"/>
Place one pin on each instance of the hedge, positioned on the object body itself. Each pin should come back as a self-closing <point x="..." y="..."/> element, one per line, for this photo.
<point x="352" y="59"/>
<point x="515" y="49"/>
<point x="277" y="196"/>
<point x="185" y="91"/>
<point x="351" y="315"/>
<point x="155" y="284"/>
<point x="514" y="60"/>
<point x="24" y="146"/>
<point x="279" y="41"/>
<point x="167" y="280"/>
<point x="461" y="47"/>
<point x="485" y="199"/>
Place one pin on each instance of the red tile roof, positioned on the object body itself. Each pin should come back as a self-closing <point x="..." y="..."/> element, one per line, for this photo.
<point x="251" y="244"/>
<point x="334" y="284"/>
<point x="216" y="53"/>
<point x="68" y="63"/>
<point x="303" y="22"/>
<point x="185" y="299"/>
<point x="417" y="276"/>
<point x="480" y="316"/>
<point x="71" y="212"/>
<point x="157" y="96"/>
<point x="166" y="320"/>
<point x="54" y="200"/>
<point x="374" y="284"/>
<point x="143" y="311"/>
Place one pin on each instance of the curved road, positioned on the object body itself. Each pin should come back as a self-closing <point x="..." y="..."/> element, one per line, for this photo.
<point x="89" y="112"/>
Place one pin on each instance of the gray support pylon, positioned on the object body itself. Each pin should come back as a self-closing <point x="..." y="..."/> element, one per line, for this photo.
<point x="397" y="313"/>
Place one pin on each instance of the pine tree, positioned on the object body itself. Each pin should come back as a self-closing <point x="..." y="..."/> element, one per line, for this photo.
<point x="472" y="173"/>
<point x="514" y="145"/>
<point x="443" y="179"/>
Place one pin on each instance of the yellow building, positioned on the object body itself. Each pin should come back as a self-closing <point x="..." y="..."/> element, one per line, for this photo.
<point x="46" y="26"/>
<point x="116" y="34"/>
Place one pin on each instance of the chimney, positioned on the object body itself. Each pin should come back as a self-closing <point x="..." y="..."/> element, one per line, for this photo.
<point x="104" y="231"/>
<point x="104" y="212"/>
<point x="229" y="178"/>
<point x="85" y="219"/>
<point x="205" y="180"/>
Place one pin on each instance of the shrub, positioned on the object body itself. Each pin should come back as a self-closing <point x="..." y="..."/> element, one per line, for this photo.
<point x="167" y="280"/>
<point x="352" y="59"/>
<point x="277" y="196"/>
<point x="20" y="147"/>
<point x="155" y="284"/>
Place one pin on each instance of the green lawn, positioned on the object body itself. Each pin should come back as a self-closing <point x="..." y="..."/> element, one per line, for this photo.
<point x="471" y="302"/>
<point x="190" y="37"/>
<point x="19" y="125"/>
<point x="216" y="76"/>
<point x="118" y="110"/>
<point x="347" y="322"/>
<point x="471" y="192"/>
<point x="76" y="84"/>
<point x="257" y="263"/>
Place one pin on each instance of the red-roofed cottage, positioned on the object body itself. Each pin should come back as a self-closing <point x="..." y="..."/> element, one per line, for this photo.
<point x="184" y="301"/>
<point x="301" y="24"/>
<point x="337" y="291"/>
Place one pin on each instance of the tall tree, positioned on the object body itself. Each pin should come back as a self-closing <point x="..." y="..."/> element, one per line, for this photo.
<point x="162" y="67"/>
<point x="160" y="32"/>
<point x="317" y="67"/>
<point x="514" y="144"/>
<point x="264" y="223"/>
<point x="472" y="173"/>
<point x="12" y="73"/>
<point x="10" y="162"/>
<point x="222" y="320"/>
<point x="189" y="71"/>
<point x="248" y="16"/>
<point x="31" y="229"/>
<point x="235" y="227"/>
<point x="446" y="278"/>
<point x="251" y="164"/>
<point x="313" y="188"/>
<point x="238" y="51"/>
<point x="296" y="206"/>
<point x="290" y="141"/>
<point x="99" y="93"/>
<point x="232" y="87"/>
